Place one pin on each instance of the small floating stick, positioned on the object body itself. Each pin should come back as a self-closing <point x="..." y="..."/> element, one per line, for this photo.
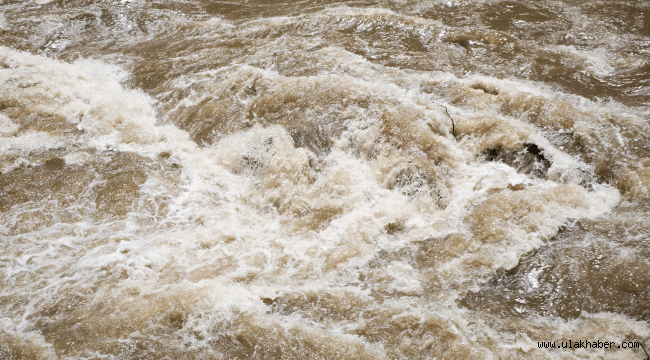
<point x="453" y="126"/>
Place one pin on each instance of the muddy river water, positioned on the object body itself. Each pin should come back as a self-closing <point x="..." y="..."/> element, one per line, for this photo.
<point x="320" y="179"/>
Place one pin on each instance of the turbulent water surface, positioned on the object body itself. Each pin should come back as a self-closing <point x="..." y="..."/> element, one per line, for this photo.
<point x="321" y="179"/>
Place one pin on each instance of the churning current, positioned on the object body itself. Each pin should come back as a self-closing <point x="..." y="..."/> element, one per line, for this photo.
<point x="321" y="179"/>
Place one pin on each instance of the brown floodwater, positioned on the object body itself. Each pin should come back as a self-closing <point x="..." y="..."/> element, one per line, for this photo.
<point x="263" y="179"/>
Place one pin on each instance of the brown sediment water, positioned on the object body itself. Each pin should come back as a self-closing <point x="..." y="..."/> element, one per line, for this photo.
<point x="280" y="179"/>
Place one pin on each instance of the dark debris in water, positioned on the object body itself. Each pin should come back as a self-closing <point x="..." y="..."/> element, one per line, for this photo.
<point x="529" y="161"/>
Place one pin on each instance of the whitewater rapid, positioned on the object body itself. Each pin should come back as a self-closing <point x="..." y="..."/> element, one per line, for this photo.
<point x="355" y="182"/>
